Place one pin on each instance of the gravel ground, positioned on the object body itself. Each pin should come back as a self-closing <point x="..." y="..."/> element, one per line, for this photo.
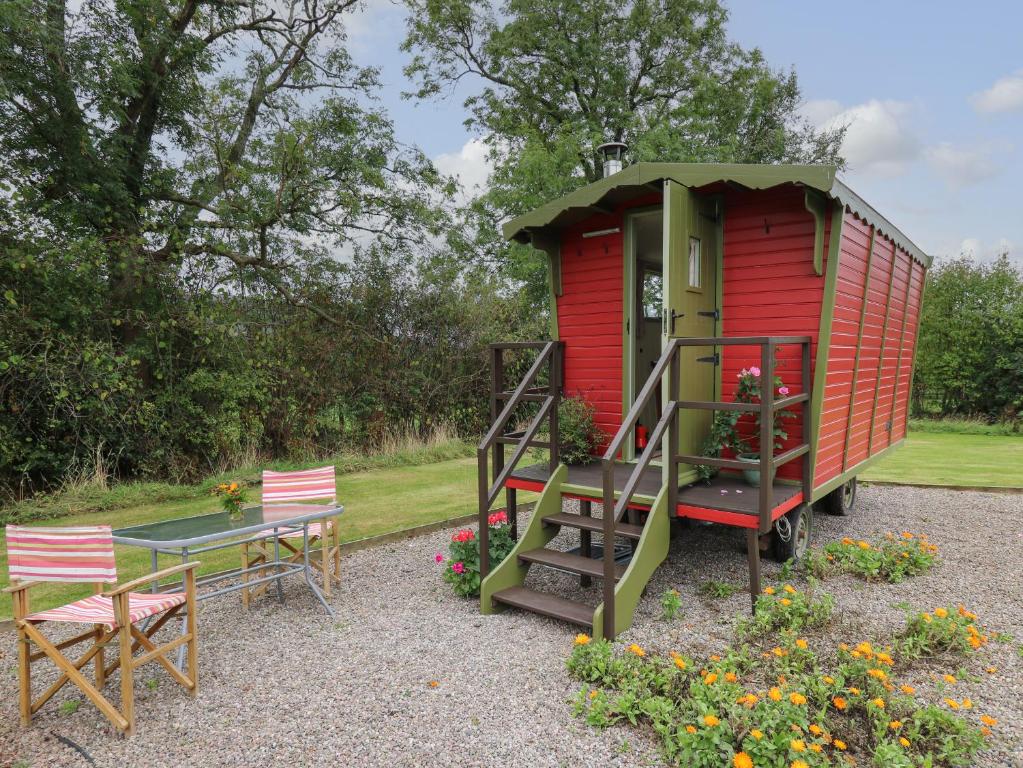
<point x="286" y="685"/>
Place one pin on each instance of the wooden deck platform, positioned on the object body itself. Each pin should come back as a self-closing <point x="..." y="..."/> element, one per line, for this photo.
<point x="726" y="499"/>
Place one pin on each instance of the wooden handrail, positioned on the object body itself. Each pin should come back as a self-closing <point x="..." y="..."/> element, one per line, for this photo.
<point x="497" y="437"/>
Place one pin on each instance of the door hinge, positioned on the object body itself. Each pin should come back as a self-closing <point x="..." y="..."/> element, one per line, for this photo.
<point x="714" y="313"/>
<point x="715" y="359"/>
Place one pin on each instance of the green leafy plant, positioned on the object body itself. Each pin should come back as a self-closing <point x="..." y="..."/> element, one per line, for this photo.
<point x="232" y="497"/>
<point x="719" y="589"/>
<point x="671" y="604"/>
<point x="748" y="391"/>
<point x="951" y="630"/>
<point x="462" y="565"/>
<point x="69" y="707"/>
<point x="787" y="609"/>
<point x="579" y="436"/>
<point x="892" y="559"/>
<point x="152" y="684"/>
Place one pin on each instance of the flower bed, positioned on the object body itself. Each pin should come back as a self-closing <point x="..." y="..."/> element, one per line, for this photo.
<point x="892" y="559"/>
<point x="462" y="564"/>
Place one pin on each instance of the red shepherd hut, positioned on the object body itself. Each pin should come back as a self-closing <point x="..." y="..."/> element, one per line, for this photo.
<point x="685" y="299"/>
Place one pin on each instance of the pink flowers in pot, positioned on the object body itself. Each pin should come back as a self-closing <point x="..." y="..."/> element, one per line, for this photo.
<point x="498" y="518"/>
<point x="463" y="536"/>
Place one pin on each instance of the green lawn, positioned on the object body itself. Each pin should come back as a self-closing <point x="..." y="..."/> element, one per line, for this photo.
<point x="376" y="502"/>
<point x="939" y="458"/>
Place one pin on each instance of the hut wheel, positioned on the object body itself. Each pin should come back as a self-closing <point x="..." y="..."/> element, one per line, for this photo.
<point x="792" y="534"/>
<point x="841" y="500"/>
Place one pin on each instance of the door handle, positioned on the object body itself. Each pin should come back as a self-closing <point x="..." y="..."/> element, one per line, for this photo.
<point x="675" y="316"/>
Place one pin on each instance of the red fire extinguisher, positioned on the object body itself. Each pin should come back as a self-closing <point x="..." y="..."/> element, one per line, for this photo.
<point x="641" y="436"/>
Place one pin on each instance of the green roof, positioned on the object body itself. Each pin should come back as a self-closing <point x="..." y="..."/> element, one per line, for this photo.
<point x="640" y="178"/>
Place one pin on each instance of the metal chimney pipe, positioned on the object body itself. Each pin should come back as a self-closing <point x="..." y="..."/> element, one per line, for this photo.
<point x="612" y="155"/>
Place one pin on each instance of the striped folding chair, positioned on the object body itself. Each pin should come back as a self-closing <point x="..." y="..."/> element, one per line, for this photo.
<point x="285" y="492"/>
<point x="86" y="555"/>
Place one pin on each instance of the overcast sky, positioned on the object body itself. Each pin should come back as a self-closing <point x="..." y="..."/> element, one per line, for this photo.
<point x="932" y="93"/>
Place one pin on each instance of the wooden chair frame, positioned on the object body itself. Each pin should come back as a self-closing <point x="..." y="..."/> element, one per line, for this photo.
<point x="129" y="640"/>
<point x="327" y="558"/>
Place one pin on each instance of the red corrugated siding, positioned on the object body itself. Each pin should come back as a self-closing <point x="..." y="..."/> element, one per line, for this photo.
<point x="590" y="318"/>
<point x="843" y="442"/>
<point x="770" y="287"/>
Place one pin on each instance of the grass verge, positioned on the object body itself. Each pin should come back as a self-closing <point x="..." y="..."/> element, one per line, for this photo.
<point x="948" y="458"/>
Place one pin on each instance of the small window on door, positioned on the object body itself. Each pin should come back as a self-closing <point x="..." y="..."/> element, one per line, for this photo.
<point x="653" y="289"/>
<point x="694" y="262"/>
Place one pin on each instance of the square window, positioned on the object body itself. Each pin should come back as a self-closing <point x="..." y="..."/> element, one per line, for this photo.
<point x="694" y="262"/>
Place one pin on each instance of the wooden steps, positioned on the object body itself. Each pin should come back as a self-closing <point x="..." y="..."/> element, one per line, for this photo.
<point x="594" y="524"/>
<point x="565" y="561"/>
<point x="547" y="605"/>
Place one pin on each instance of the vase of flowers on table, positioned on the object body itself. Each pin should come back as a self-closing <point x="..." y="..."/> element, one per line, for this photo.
<point x="232" y="499"/>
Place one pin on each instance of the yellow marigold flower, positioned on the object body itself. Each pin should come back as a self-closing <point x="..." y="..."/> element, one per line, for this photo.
<point x="742" y="760"/>
<point x="843" y="646"/>
<point x="952" y="703"/>
<point x="840" y="745"/>
<point x="778" y="651"/>
<point x="798" y="764"/>
<point x="775" y="694"/>
<point x="909" y="690"/>
<point x="711" y="678"/>
<point x="988" y="720"/>
<point x="710" y="721"/>
<point x="802" y="644"/>
<point x="768" y="590"/>
<point x="941" y="613"/>
<point x="757" y="734"/>
<point x="879" y="703"/>
<point x="854" y="691"/>
<point x="816" y="748"/>
<point x="797" y="698"/>
<point x="895" y="725"/>
<point x="582" y="639"/>
<point x="790" y="589"/>
<point x="966" y="703"/>
<point x="785" y="601"/>
<point x="927" y="618"/>
<point x="903" y="741"/>
<point x="636" y="650"/>
<point x="731" y="677"/>
<point x="839" y="702"/>
<point x="863" y="545"/>
<point x="680" y="662"/>
<point x="593" y="694"/>
<point x="907" y="535"/>
<point x="797" y="745"/>
<point x="828" y="679"/>
<point x="879" y="674"/>
<point x="992" y="670"/>
<point x="815" y="729"/>
<point x="690" y="729"/>
<point x="975" y="642"/>
<point x="856" y="654"/>
<point x="950" y="679"/>
<point x="884" y="658"/>
<point x="865" y="648"/>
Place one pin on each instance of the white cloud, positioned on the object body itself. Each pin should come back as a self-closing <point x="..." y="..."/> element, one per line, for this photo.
<point x="470" y="164"/>
<point x="961" y="166"/>
<point x="878" y="138"/>
<point x="1006" y="95"/>
<point x="982" y="251"/>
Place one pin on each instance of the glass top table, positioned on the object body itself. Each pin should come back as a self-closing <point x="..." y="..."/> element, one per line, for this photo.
<point x="188" y="536"/>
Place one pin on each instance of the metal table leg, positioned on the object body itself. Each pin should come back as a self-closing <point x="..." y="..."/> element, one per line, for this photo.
<point x="308" y="572"/>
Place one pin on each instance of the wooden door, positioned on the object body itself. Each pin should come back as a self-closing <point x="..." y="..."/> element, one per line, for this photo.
<point x="692" y="252"/>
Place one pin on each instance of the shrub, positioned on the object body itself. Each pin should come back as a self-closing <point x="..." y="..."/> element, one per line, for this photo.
<point x="891" y="560"/>
<point x="940" y="631"/>
<point x="462" y="567"/>
<point x="787" y="609"/>
<point x="579" y="436"/>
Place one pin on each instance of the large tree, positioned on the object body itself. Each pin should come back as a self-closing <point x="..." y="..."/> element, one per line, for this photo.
<point x="235" y="132"/>
<point x="560" y="77"/>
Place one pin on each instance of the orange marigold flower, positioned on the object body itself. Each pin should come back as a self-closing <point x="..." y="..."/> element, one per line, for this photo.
<point x="680" y="662"/>
<point x="715" y="657"/>
<point x="966" y="703"/>
<point x="790" y="589"/>
<point x="988" y="720"/>
<point x="992" y="670"/>
<point x="879" y="703"/>
<point x="816" y="748"/>
<point x="797" y="698"/>
<point x="582" y="639"/>
<point x="950" y="679"/>
<point x="840" y="745"/>
<point x="839" y="702"/>
<point x="879" y="674"/>
<point x="927" y="618"/>
<point x="768" y="590"/>
<point x="775" y="694"/>
<point x="635" y="649"/>
<point x="907" y="535"/>
<point x="797" y="745"/>
<point x="854" y="691"/>
<point x="433" y="683"/>
<point x="952" y="703"/>
<point x="903" y="741"/>
<point x="778" y="651"/>
<point x="847" y="541"/>
<point x="742" y="760"/>
<point x="815" y="729"/>
<point x="757" y="734"/>
<point x="909" y="690"/>
<point x="895" y="725"/>
<point x="711" y="720"/>
<point x="828" y="679"/>
<point x="802" y="644"/>
<point x="785" y="601"/>
<point x="593" y="694"/>
<point x="690" y="729"/>
<point x="941" y="613"/>
<point x="711" y="678"/>
<point x="798" y="764"/>
<point x="863" y="545"/>
<point x="865" y="648"/>
<point x="731" y="677"/>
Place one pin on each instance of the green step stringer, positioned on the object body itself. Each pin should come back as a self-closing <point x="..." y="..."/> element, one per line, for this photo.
<point x="650" y="552"/>
<point x="512" y="573"/>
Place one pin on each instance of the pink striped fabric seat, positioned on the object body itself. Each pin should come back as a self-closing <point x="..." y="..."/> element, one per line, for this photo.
<point x="80" y="554"/>
<point x="100" y="610"/>
<point x="282" y="489"/>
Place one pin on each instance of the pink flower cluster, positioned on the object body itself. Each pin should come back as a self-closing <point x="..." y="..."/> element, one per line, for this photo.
<point x="458" y="568"/>
<point x="498" y="518"/>
<point x="463" y="536"/>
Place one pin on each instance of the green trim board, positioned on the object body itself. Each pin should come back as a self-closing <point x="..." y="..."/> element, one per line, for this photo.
<point x="816" y="205"/>
<point x="859" y="348"/>
<point x="650" y="552"/>
<point x="510" y="572"/>
<point x="637" y="179"/>
<point x="852" y="472"/>
<point x="824" y="333"/>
